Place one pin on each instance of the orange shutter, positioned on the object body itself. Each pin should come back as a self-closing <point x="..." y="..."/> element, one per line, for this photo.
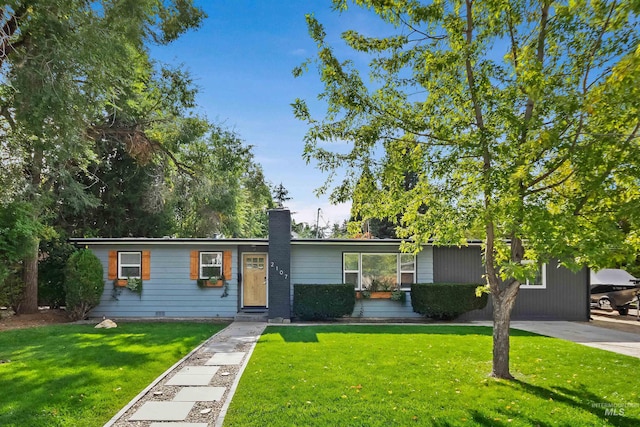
<point x="195" y="255"/>
<point x="146" y="265"/>
<point x="226" y="265"/>
<point x="113" y="265"/>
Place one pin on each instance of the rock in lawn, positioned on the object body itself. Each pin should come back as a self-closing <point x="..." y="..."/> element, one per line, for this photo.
<point x="107" y="324"/>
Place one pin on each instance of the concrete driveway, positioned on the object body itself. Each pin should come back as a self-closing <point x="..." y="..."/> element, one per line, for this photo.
<point x="583" y="333"/>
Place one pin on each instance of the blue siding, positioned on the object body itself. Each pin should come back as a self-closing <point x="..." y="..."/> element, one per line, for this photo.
<point x="169" y="292"/>
<point x="322" y="265"/>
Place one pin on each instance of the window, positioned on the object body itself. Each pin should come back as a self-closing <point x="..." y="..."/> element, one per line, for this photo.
<point x="129" y="265"/>
<point x="379" y="271"/>
<point x="540" y="281"/>
<point x="352" y="269"/>
<point x="210" y="264"/>
<point x="125" y="264"/>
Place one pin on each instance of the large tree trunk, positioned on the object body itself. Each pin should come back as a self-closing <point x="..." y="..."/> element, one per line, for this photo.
<point x="29" y="302"/>
<point x="502" y="307"/>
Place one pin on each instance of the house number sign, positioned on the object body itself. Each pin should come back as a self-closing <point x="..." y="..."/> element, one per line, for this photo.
<point x="278" y="270"/>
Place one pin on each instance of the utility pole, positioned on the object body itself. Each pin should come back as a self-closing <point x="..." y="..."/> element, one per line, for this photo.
<point x="318" y="224"/>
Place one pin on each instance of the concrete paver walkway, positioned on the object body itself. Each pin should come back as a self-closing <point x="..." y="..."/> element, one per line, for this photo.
<point x="190" y="386"/>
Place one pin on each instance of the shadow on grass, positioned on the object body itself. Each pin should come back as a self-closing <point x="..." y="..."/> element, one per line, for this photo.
<point x="41" y="399"/>
<point x="562" y="396"/>
<point x="56" y="374"/>
<point x="309" y="334"/>
<point x="583" y="399"/>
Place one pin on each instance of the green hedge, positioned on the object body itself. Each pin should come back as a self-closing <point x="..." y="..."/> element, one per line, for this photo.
<point x="446" y="301"/>
<point x="319" y="302"/>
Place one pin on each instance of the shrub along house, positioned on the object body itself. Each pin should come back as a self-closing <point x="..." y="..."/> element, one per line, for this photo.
<point x="176" y="277"/>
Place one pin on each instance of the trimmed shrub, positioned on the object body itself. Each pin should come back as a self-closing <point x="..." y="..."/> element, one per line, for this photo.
<point x="319" y="302"/>
<point x="83" y="283"/>
<point x="446" y="301"/>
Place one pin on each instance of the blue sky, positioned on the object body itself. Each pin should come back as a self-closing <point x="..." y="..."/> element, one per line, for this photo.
<point x="242" y="60"/>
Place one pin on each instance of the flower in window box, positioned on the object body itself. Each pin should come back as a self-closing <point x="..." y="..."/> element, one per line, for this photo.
<point x="134" y="285"/>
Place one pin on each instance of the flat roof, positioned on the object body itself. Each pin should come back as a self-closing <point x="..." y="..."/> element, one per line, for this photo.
<point x="239" y="242"/>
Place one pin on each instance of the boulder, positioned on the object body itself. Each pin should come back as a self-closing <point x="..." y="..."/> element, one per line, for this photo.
<point x="107" y="324"/>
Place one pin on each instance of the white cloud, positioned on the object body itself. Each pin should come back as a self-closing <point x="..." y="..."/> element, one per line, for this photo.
<point x="298" y="52"/>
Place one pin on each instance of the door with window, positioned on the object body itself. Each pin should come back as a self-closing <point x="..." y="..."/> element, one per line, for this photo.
<point x="254" y="289"/>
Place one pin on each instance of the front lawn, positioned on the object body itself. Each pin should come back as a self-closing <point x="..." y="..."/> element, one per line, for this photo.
<point x="75" y="375"/>
<point x="374" y="375"/>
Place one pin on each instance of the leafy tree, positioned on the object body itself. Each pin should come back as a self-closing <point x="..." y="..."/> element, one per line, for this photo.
<point x="519" y="119"/>
<point x="55" y="253"/>
<point x="339" y="230"/>
<point x="307" y="231"/>
<point x="68" y="67"/>
<point x="226" y="193"/>
<point x="17" y="233"/>
<point x="280" y="195"/>
<point x="130" y="198"/>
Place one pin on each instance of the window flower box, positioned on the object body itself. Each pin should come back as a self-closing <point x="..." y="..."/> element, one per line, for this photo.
<point x="211" y="283"/>
<point x="373" y="295"/>
<point x="396" y="295"/>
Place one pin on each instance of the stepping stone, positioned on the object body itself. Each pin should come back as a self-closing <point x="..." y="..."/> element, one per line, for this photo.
<point x="193" y="375"/>
<point x="220" y="347"/>
<point x="233" y="358"/>
<point x="198" y="370"/>
<point x="163" y="411"/>
<point x="199" y="394"/>
<point x="189" y="379"/>
<point x="179" y="425"/>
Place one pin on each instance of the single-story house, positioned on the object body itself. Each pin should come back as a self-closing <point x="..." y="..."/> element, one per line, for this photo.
<point x="180" y="277"/>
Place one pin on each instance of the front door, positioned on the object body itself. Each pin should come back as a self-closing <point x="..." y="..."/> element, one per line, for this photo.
<point x="254" y="289"/>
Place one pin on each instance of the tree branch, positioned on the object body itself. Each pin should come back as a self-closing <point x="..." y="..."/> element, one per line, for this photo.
<point x="550" y="186"/>
<point x="540" y="57"/>
<point x="9" y="30"/>
<point x="139" y="145"/>
<point x="469" y="68"/>
<point x="611" y="165"/>
<point x="596" y="45"/>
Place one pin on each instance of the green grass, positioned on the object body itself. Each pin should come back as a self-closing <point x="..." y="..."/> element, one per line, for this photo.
<point x="428" y="375"/>
<point x="75" y="375"/>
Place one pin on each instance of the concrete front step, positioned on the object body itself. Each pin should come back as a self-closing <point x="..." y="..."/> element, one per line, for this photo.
<point x="251" y="317"/>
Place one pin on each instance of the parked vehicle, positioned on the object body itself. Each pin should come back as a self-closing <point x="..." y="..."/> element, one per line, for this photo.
<point x="613" y="289"/>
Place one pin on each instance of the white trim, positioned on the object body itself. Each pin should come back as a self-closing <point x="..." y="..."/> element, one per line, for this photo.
<point x="543" y="274"/>
<point x="266" y="272"/>
<point x="121" y="264"/>
<point x="345" y="271"/>
<point x="201" y="265"/>
<point x="399" y="270"/>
